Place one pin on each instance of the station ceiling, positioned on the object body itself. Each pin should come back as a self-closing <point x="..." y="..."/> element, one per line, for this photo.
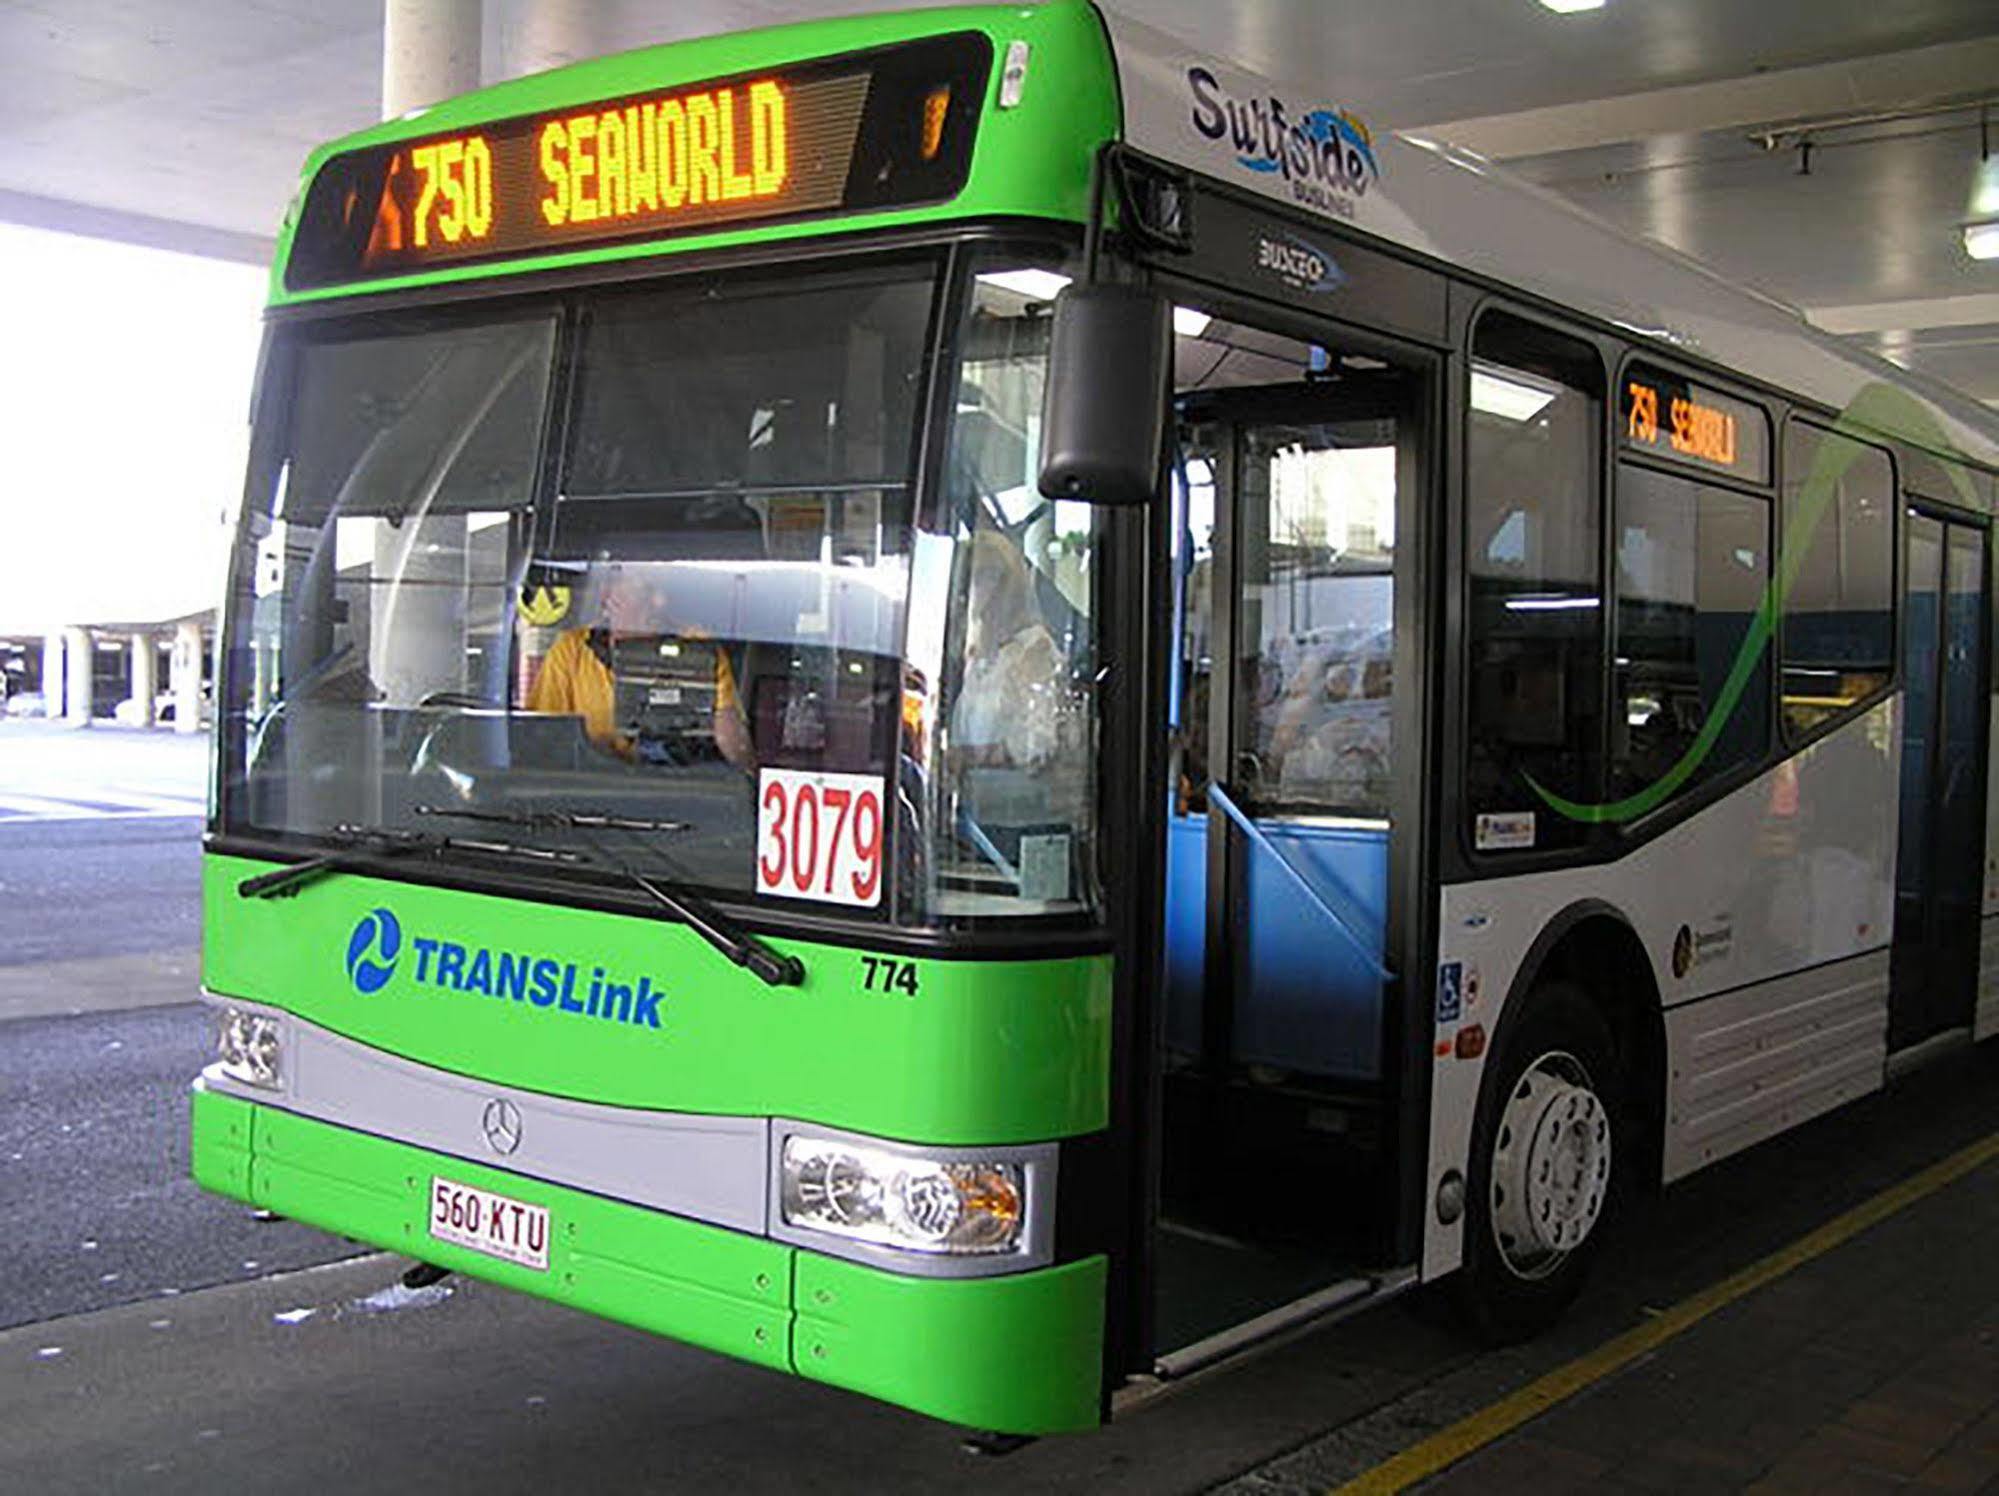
<point x="1823" y="150"/>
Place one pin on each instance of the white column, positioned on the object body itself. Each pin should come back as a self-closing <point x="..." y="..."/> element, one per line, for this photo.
<point x="416" y="625"/>
<point x="144" y="670"/>
<point x="52" y="673"/>
<point x="430" y="51"/>
<point x="532" y="36"/>
<point x="185" y="678"/>
<point x="80" y="675"/>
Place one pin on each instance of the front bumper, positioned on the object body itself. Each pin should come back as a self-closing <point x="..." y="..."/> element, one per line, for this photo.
<point x="1019" y="1353"/>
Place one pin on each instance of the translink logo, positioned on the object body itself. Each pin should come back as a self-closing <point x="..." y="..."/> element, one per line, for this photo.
<point x="375" y="948"/>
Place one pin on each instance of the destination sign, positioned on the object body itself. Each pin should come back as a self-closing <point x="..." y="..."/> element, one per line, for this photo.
<point x="1677" y="418"/>
<point x="879" y="129"/>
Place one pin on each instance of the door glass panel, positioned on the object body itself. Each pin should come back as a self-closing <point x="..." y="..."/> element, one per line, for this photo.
<point x="1317" y="610"/>
<point x="1919" y="707"/>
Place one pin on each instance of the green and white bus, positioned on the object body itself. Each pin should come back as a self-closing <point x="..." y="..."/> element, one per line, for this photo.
<point x="978" y="709"/>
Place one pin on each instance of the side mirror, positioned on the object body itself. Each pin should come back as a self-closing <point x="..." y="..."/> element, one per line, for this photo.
<point x="1103" y="421"/>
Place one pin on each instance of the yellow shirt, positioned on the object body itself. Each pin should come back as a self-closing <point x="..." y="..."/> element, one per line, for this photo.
<point x="573" y="680"/>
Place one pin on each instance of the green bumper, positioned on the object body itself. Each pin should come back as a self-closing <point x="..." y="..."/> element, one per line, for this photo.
<point x="1018" y="1354"/>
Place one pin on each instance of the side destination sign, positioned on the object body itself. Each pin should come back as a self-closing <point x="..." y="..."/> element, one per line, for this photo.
<point x="378" y="952"/>
<point x="877" y="129"/>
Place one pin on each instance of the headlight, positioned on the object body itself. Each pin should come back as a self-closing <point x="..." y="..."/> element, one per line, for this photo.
<point x="900" y="1200"/>
<point x="248" y="1046"/>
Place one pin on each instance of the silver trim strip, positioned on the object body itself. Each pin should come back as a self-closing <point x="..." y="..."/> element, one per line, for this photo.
<point x="703" y="1167"/>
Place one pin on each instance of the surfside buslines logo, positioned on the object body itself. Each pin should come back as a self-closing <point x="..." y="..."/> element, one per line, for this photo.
<point x="376" y="946"/>
<point x="1326" y="156"/>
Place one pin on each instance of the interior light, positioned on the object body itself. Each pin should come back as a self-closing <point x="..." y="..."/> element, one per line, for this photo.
<point x="1189" y="323"/>
<point x="1981" y="240"/>
<point x="1035" y="285"/>
<point x="1570" y="7"/>
<point x="1550" y="604"/>
<point x="1509" y="396"/>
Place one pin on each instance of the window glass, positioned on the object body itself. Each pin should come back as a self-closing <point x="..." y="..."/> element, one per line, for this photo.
<point x="686" y="660"/>
<point x="376" y="579"/>
<point x="1000" y="712"/>
<point x="1533" y="567"/>
<point x="1839" y="574"/>
<point x="1318" y="613"/>
<point x="1692" y="573"/>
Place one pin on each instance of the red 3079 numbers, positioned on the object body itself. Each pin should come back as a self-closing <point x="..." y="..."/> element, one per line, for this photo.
<point x="819" y="836"/>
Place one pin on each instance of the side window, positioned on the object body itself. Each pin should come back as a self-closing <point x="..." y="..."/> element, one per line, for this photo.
<point x="1533" y="561"/>
<point x="1691" y="669"/>
<point x="1838" y="575"/>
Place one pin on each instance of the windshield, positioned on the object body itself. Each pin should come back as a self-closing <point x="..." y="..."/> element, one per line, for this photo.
<point x="647" y="577"/>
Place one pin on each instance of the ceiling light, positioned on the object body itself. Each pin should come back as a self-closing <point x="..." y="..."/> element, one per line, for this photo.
<point x="1189" y="323"/>
<point x="1035" y="285"/>
<point x="1509" y="396"/>
<point x="1981" y="240"/>
<point x="1570" y="7"/>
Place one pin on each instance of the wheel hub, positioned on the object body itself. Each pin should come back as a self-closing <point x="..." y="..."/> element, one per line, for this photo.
<point x="1550" y="1165"/>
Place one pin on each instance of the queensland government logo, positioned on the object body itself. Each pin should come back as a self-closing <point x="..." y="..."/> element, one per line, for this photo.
<point x="1326" y="156"/>
<point x="526" y="978"/>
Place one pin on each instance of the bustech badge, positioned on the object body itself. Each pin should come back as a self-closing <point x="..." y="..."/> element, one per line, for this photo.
<point x="1326" y="155"/>
<point x="375" y="949"/>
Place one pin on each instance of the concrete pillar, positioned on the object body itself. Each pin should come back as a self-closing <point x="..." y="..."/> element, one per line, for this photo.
<point x="184" y="675"/>
<point x="532" y="36"/>
<point x="416" y="626"/>
<point x="80" y="675"/>
<point x="52" y="673"/>
<point x="430" y="51"/>
<point x="144" y="687"/>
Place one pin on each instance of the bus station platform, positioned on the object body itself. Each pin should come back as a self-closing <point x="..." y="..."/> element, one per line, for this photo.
<point x="1863" y="1355"/>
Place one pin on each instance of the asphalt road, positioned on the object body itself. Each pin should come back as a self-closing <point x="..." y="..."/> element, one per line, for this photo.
<point x="76" y="889"/>
<point x="93" y="1170"/>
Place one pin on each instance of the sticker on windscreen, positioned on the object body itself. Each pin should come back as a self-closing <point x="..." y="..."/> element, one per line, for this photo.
<point x="819" y="836"/>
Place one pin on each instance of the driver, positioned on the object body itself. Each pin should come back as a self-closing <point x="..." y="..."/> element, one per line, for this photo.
<point x="576" y="677"/>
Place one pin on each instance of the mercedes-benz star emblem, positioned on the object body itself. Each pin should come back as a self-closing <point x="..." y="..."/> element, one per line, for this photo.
<point x="502" y="1125"/>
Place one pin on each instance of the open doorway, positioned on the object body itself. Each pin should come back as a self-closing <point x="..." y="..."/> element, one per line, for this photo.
<point x="1296" y="471"/>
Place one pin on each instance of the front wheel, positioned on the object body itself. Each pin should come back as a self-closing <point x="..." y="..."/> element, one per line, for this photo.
<point x="1543" y="1175"/>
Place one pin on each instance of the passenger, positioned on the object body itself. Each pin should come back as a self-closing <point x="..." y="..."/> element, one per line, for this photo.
<point x="576" y="676"/>
<point x="1014" y="706"/>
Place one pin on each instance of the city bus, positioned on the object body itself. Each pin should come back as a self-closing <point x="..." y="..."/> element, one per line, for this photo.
<point x="970" y="706"/>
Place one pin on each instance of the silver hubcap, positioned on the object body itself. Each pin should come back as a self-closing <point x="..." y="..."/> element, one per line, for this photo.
<point x="1550" y="1166"/>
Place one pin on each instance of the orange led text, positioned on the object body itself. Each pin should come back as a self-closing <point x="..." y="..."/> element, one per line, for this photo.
<point x="686" y="150"/>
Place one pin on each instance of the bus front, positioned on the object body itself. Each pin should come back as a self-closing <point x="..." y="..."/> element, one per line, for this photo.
<point x="655" y="861"/>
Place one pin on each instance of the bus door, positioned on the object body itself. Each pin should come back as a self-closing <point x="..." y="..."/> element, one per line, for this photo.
<point x="1939" y="871"/>
<point x="1297" y="475"/>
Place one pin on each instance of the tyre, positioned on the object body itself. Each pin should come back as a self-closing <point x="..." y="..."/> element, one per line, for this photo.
<point x="1547" y="1147"/>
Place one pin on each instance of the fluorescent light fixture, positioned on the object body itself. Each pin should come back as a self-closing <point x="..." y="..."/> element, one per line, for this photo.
<point x="1035" y="285"/>
<point x="1570" y="7"/>
<point x="1511" y="397"/>
<point x="1550" y="604"/>
<point x="1189" y="323"/>
<point x="1981" y="240"/>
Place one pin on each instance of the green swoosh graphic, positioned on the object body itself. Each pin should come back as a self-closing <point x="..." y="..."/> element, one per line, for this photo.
<point x="1877" y="408"/>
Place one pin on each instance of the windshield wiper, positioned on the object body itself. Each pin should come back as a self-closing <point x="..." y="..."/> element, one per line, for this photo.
<point x="561" y="820"/>
<point x="380" y="842"/>
<point x="773" y="968"/>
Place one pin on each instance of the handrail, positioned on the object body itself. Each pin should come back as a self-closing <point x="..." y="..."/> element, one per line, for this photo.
<point x="1218" y="796"/>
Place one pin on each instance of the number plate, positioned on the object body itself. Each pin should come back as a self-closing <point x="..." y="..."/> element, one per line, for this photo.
<point x="819" y="836"/>
<point x="500" y="1227"/>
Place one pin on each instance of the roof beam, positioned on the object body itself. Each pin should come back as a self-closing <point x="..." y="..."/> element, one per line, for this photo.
<point x="62" y="217"/>
<point x="1913" y="315"/>
<point x="1952" y="71"/>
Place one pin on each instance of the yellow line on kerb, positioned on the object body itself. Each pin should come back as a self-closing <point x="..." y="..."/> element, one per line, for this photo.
<point x="1447" y="1446"/>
